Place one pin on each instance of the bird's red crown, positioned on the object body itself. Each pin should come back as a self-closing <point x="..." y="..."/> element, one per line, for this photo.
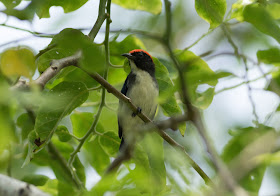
<point x="140" y="50"/>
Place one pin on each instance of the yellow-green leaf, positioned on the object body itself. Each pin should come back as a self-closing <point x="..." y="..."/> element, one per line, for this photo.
<point x="152" y="6"/>
<point x="258" y="16"/>
<point x="18" y="62"/>
<point x="212" y="11"/>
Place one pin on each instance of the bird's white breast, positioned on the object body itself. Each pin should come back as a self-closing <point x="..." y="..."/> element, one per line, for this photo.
<point x="143" y="94"/>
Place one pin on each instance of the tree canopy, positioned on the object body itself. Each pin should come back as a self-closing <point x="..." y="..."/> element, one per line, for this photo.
<point x="58" y="104"/>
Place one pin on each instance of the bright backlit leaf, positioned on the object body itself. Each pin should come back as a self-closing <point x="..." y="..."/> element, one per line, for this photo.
<point x="110" y="143"/>
<point x="152" y="6"/>
<point x="200" y="79"/>
<point x="18" y="62"/>
<point x="274" y="10"/>
<point x="212" y="11"/>
<point x="258" y="16"/>
<point x="269" y="56"/>
<point x="81" y="123"/>
<point x="40" y="7"/>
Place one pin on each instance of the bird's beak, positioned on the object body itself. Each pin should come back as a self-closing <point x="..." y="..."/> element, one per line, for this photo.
<point x="129" y="56"/>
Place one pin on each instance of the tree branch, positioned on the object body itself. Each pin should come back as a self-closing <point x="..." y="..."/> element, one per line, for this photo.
<point x="56" y="66"/>
<point x="100" y="19"/>
<point x="194" y="114"/>
<point x="13" y="187"/>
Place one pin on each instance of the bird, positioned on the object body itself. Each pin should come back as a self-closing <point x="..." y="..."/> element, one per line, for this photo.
<point x="142" y="88"/>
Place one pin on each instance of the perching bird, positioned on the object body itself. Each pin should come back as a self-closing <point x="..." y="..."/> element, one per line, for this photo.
<point x="142" y="88"/>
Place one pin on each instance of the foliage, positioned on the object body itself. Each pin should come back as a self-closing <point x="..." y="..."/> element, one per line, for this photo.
<point x="70" y="125"/>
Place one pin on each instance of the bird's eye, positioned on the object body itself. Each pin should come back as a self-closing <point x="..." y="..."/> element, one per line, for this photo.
<point x="141" y="54"/>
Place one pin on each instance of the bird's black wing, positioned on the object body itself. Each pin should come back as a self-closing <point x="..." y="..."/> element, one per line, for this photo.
<point x="126" y="86"/>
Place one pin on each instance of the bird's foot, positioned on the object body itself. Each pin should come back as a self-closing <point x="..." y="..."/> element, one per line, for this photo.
<point x="139" y="110"/>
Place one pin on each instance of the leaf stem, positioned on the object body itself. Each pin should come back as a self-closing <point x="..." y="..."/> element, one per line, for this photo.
<point x="54" y="151"/>
<point x="100" y="19"/>
<point x="103" y="96"/>
<point x="244" y="59"/>
<point x="199" y="39"/>
<point x="37" y="34"/>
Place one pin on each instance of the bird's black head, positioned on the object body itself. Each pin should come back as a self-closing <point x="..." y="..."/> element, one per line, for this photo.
<point x="142" y="60"/>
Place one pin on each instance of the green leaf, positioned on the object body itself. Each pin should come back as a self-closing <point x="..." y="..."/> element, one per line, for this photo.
<point x="166" y="93"/>
<point x="237" y="10"/>
<point x="247" y="143"/>
<point x="212" y="11"/>
<point x="108" y="120"/>
<point x="197" y="73"/>
<point x="35" y="179"/>
<point x="7" y="128"/>
<point x="26" y="124"/>
<point x="269" y="158"/>
<point x="62" y="174"/>
<point x="258" y="16"/>
<point x="50" y="187"/>
<point x="63" y="133"/>
<point x="18" y="62"/>
<point x="152" y="6"/>
<point x="110" y="143"/>
<point x="98" y="158"/>
<point x="66" y="189"/>
<point x="275" y="83"/>
<point x="72" y="74"/>
<point x="153" y="145"/>
<point x="68" y="42"/>
<point x="274" y="10"/>
<point x="41" y="8"/>
<point x="269" y="56"/>
<point x="68" y="5"/>
<point x="81" y="123"/>
<point x="67" y="96"/>
<point x="10" y="4"/>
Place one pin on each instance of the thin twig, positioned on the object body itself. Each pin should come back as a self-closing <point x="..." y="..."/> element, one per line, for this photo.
<point x="139" y="32"/>
<point x="37" y="34"/>
<point x="100" y="19"/>
<point x="94" y="88"/>
<point x="194" y="114"/>
<point x="199" y="39"/>
<point x="242" y="83"/>
<point x="54" y="151"/>
<point x="232" y="54"/>
<point x="244" y="59"/>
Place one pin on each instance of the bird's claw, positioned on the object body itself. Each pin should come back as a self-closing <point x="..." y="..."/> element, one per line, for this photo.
<point x="139" y="110"/>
